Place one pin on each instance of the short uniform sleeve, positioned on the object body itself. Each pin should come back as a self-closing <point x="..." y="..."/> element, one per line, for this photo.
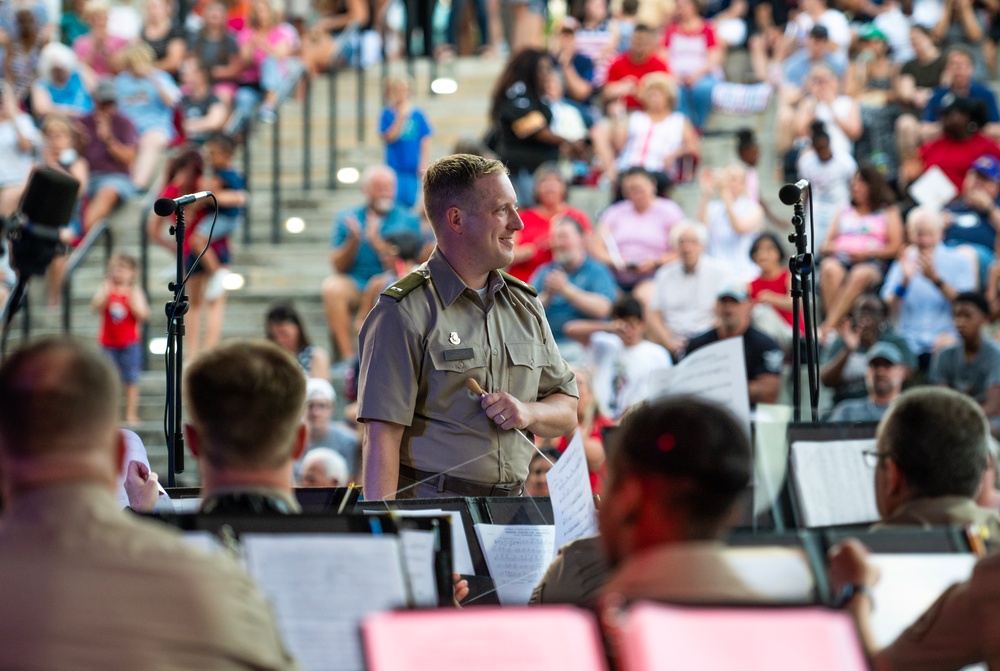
<point x="391" y="356"/>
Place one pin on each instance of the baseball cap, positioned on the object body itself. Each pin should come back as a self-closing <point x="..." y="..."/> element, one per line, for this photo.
<point x="871" y="32"/>
<point x="885" y="350"/>
<point x="735" y="291"/>
<point x="318" y="389"/>
<point x="819" y="32"/>
<point x="987" y="166"/>
<point x="105" y="91"/>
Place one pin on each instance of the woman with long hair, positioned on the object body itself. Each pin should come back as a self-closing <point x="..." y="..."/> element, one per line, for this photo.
<point x="285" y="328"/>
<point x="864" y="237"/>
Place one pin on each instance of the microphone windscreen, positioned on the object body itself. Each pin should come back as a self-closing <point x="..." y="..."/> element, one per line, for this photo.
<point x="164" y="207"/>
<point x="50" y="197"/>
<point x="789" y="194"/>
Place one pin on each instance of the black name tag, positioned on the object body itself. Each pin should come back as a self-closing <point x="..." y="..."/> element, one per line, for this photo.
<point x="458" y="354"/>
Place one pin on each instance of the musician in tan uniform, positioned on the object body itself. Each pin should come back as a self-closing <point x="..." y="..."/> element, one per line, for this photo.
<point x="456" y="317"/>
<point x="85" y="585"/>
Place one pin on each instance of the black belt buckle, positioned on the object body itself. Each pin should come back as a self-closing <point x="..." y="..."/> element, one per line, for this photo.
<point x="506" y="489"/>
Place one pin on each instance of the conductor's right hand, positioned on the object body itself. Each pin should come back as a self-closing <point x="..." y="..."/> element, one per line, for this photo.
<point x="142" y="487"/>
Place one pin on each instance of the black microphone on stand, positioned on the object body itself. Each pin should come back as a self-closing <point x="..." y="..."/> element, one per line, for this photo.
<point x="791" y="193"/>
<point x="164" y="207"/>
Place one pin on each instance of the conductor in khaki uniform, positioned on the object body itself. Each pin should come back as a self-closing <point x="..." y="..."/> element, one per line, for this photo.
<point x="454" y="318"/>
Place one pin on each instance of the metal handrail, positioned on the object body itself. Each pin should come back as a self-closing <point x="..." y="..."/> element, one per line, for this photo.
<point x="100" y="231"/>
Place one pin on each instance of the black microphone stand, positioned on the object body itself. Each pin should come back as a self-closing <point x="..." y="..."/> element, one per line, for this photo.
<point x="175" y="309"/>
<point x="801" y="267"/>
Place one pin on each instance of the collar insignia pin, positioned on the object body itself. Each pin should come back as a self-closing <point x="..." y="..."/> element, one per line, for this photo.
<point x="454" y="339"/>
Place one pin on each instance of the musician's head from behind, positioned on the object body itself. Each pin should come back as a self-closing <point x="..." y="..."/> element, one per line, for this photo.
<point x="58" y="417"/>
<point x="244" y="401"/>
<point x="933" y="442"/>
<point x="676" y="469"/>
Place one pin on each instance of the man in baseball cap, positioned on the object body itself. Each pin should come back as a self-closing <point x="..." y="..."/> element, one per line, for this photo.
<point x="884" y="378"/>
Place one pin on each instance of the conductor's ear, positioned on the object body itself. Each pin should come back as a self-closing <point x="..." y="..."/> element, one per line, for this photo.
<point x="453" y="217"/>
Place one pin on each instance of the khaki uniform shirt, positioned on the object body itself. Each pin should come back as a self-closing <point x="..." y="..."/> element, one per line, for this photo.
<point x="88" y="586"/>
<point x="943" y="511"/>
<point x="961" y="628"/>
<point x="417" y="352"/>
<point x="575" y="576"/>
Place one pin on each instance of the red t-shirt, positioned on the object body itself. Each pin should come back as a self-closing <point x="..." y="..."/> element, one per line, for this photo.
<point x="687" y="52"/>
<point x="778" y="285"/>
<point x="623" y="68"/>
<point x="536" y="231"/>
<point x="955" y="157"/>
<point x="119" y="328"/>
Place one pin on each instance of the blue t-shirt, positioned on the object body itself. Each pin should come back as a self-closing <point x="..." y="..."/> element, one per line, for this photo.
<point x="140" y="101"/>
<point x="367" y="264"/>
<point x="592" y="276"/>
<point x="969" y="226"/>
<point x="976" y="91"/>
<point x="72" y="94"/>
<point x="232" y="181"/>
<point x="798" y="65"/>
<point x="403" y="155"/>
<point x="925" y="312"/>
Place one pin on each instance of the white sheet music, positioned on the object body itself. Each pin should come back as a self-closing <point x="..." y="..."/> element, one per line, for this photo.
<point x="321" y="585"/>
<point x="418" y="553"/>
<point x="460" y="555"/>
<point x="573" y="508"/>
<point x="780" y="573"/>
<point x="833" y="483"/>
<point x="909" y="584"/>
<point x="517" y="556"/>
<point x="933" y="188"/>
<point x="717" y="373"/>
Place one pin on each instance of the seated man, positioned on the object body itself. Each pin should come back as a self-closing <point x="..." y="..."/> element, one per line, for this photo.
<point x="573" y="285"/>
<point x="84" y="585"/>
<point x="764" y="357"/>
<point x="620" y="357"/>
<point x="884" y="377"/>
<point x="972" y="218"/>
<point x="683" y="303"/>
<point x="244" y="403"/>
<point x="109" y="142"/>
<point x="357" y="241"/>
<point x="931" y="453"/>
<point x="321" y="402"/>
<point x="323" y="467"/>
<point x="971" y="366"/>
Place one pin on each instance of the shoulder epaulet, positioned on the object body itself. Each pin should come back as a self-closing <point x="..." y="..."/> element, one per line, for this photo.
<point x="402" y="288"/>
<point x="520" y="284"/>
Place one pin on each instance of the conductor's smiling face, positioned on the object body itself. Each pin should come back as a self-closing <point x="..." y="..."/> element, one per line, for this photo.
<point x="490" y="222"/>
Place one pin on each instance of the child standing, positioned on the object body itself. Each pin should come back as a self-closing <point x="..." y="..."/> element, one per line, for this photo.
<point x="406" y="133"/>
<point x="228" y="186"/>
<point x="123" y="307"/>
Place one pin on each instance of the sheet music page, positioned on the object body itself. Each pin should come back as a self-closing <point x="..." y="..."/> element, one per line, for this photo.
<point x="573" y="508"/>
<point x="770" y="454"/>
<point x="781" y="573"/>
<point x="460" y="556"/>
<point x="205" y="541"/>
<point x="909" y="584"/>
<point x="517" y="556"/>
<point x="321" y="585"/>
<point x="775" y="639"/>
<point x="833" y="483"/>
<point x="717" y="373"/>
<point x="548" y="638"/>
<point x="418" y="553"/>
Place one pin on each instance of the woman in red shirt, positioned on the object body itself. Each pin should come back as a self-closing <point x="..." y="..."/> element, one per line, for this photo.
<point x="771" y="291"/>
<point x="531" y="244"/>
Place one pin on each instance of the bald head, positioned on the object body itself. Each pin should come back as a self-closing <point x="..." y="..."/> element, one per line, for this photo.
<point x="57" y="395"/>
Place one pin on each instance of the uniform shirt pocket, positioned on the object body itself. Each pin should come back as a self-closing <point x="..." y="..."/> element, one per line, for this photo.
<point x="526" y="361"/>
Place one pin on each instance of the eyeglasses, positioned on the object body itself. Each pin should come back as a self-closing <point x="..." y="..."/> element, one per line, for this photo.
<point x="873" y="457"/>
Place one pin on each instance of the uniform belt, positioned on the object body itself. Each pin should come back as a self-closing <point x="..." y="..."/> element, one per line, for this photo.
<point x="449" y="483"/>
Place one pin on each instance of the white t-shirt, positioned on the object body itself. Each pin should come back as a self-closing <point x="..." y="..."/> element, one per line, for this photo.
<point x="836" y="24"/>
<point x="649" y="143"/>
<point x="16" y="165"/>
<point x="828" y="114"/>
<point x="831" y="187"/>
<point x="621" y="374"/>
<point x="687" y="301"/>
<point x="728" y="246"/>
